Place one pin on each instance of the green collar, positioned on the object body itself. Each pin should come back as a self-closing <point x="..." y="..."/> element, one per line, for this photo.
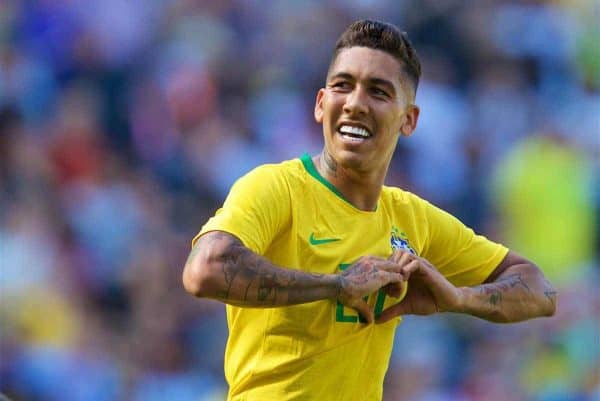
<point x="312" y="170"/>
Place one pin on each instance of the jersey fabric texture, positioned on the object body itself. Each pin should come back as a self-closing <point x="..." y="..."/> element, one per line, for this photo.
<point x="321" y="350"/>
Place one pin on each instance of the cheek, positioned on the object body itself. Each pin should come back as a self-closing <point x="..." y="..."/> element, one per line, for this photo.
<point x="392" y="128"/>
<point x="332" y="103"/>
<point x="329" y="120"/>
<point x="394" y="122"/>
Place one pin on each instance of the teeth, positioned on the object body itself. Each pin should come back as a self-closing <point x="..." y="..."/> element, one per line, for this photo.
<point x="349" y="129"/>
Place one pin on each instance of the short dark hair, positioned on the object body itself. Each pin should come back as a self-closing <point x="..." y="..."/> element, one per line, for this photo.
<point x="382" y="36"/>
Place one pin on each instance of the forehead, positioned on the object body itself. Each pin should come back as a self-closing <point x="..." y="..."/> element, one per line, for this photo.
<point x="367" y="63"/>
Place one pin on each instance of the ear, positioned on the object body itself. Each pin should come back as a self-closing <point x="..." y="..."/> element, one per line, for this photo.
<point x="319" y="106"/>
<point x="410" y="120"/>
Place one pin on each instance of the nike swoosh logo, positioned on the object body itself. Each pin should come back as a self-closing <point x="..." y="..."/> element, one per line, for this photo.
<point x="314" y="241"/>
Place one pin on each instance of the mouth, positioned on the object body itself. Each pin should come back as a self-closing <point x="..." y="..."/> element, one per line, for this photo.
<point x="354" y="133"/>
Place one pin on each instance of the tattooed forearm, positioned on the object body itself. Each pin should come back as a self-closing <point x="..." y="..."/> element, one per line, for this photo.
<point x="192" y="254"/>
<point x="238" y="276"/>
<point x="495" y="296"/>
<point x="494" y="291"/>
<point x="229" y="275"/>
<point x="551" y="295"/>
<point x="550" y="292"/>
<point x="523" y="293"/>
<point x="268" y="288"/>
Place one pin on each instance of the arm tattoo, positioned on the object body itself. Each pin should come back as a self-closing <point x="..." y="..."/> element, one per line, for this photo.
<point x="249" y="277"/>
<point x="550" y="292"/>
<point x="495" y="289"/>
<point x="267" y="284"/>
<point x="193" y="253"/>
<point x="495" y="297"/>
<point x="229" y="275"/>
<point x="551" y="295"/>
<point x="514" y="296"/>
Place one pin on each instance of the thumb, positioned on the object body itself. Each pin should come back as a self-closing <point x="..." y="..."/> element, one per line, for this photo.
<point x="390" y="313"/>
<point x="364" y="310"/>
<point x="394" y="289"/>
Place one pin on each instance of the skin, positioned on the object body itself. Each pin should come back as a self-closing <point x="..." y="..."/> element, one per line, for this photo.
<point x="221" y="267"/>
<point x="515" y="291"/>
<point x="366" y="88"/>
<point x="363" y="88"/>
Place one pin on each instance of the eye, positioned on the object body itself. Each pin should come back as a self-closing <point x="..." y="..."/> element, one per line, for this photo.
<point x="341" y="85"/>
<point x="380" y="92"/>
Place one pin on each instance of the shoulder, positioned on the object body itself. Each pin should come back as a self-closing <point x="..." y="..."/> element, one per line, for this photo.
<point x="422" y="208"/>
<point x="398" y="196"/>
<point x="270" y="179"/>
<point x="409" y="205"/>
<point x="286" y="170"/>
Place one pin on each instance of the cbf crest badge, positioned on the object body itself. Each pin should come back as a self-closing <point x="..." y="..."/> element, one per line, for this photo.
<point x="399" y="240"/>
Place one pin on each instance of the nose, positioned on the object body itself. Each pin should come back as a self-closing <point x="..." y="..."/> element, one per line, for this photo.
<point x="356" y="102"/>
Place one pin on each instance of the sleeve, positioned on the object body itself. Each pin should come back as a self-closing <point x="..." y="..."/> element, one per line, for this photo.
<point x="463" y="257"/>
<point x="257" y="207"/>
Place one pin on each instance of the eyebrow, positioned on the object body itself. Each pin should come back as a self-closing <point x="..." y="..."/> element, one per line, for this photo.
<point x="375" y="81"/>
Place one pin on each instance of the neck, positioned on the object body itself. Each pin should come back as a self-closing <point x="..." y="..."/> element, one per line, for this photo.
<point x="361" y="189"/>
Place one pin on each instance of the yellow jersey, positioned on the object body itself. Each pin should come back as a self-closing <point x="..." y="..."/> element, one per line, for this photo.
<point x="322" y="351"/>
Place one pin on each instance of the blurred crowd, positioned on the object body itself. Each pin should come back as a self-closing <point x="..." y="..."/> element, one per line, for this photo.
<point x="124" y="122"/>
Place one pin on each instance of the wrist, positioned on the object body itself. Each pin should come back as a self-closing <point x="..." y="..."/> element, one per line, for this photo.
<point x="338" y="285"/>
<point x="465" y="295"/>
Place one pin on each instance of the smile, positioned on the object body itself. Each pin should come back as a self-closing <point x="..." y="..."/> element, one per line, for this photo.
<point x="354" y="134"/>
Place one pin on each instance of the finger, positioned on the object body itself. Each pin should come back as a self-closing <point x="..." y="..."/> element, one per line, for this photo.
<point x="394" y="289"/>
<point x="410" y="268"/>
<point x="390" y="313"/>
<point x="389" y="266"/>
<point x="400" y="254"/>
<point x="396" y="255"/>
<point x="406" y="258"/>
<point x="364" y="310"/>
<point x="392" y="277"/>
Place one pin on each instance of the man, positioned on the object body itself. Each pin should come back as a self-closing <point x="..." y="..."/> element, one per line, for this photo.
<point x="317" y="259"/>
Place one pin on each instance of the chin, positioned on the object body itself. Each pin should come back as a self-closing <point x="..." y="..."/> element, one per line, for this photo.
<point x="350" y="160"/>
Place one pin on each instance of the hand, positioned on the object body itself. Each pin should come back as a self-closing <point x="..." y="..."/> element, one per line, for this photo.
<point x="396" y="289"/>
<point x="428" y="290"/>
<point x="364" y="277"/>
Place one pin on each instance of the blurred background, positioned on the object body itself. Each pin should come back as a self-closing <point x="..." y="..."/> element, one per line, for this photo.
<point x="124" y="122"/>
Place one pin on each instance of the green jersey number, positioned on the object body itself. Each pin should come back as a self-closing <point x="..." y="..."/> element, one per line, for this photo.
<point x="355" y="317"/>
